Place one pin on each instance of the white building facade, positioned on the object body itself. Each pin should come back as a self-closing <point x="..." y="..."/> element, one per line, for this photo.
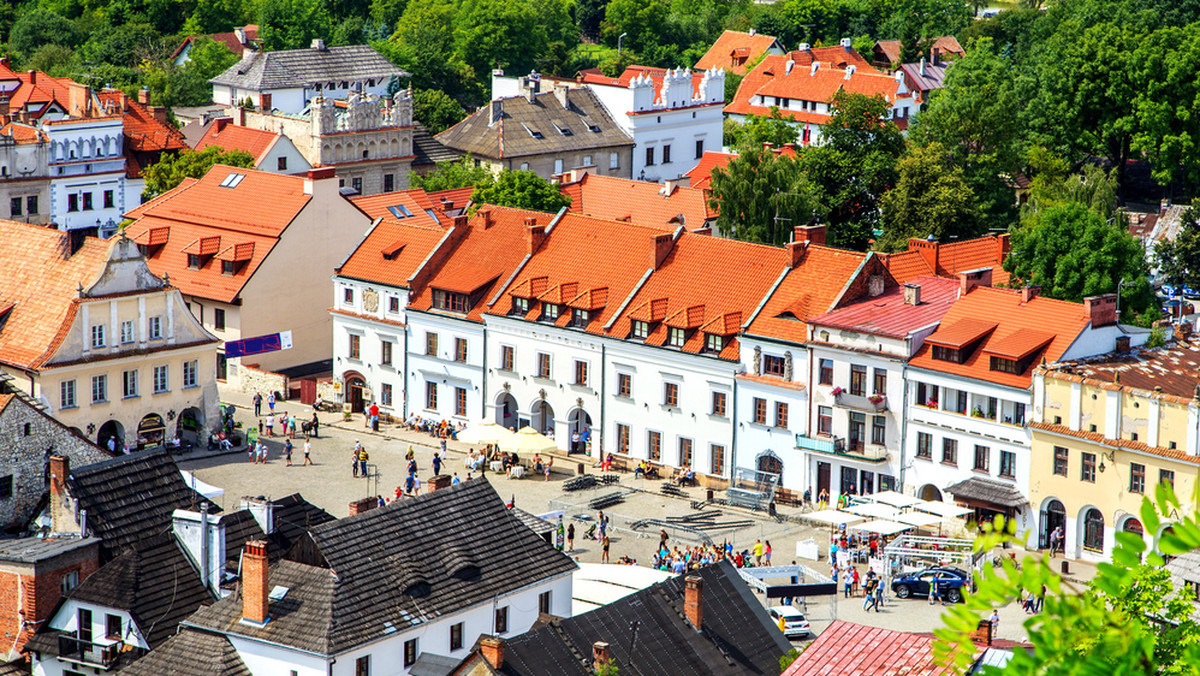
<point x="88" y="183"/>
<point x="370" y="343"/>
<point x="772" y="410"/>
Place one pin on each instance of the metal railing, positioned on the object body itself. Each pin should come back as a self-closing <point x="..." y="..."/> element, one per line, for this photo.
<point x="74" y="649"/>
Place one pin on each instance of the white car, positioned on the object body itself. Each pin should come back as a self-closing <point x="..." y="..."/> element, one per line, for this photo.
<point x="794" y="623"/>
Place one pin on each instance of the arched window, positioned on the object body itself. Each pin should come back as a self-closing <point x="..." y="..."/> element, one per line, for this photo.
<point x="1093" y="530"/>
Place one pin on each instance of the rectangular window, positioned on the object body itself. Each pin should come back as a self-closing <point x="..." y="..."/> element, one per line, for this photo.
<point x="543" y="370"/>
<point x="670" y="394"/>
<point x="129" y="381"/>
<point x="950" y="451"/>
<point x="410" y="653"/>
<point x="781" y="414"/>
<point x="356" y="183"/>
<point x="544" y="602"/>
<point x="431" y="340"/>
<point x="858" y="380"/>
<point x="99" y="388"/>
<point x="879" y="430"/>
<point x="581" y="374"/>
<point x="760" y="411"/>
<point x="348" y="296"/>
<point x="1018" y="414"/>
<point x="982" y="456"/>
<point x="558" y="167"/>
<point x="685" y="452"/>
<point x="14" y="207"/>
<point x="190" y="369"/>
<point x="824" y="421"/>
<point x="654" y="446"/>
<point x="1166" y="476"/>
<point x="676" y="337"/>
<point x="66" y="394"/>
<point x="385" y="352"/>
<point x="1060" y="460"/>
<point x="1008" y="464"/>
<point x="622" y="439"/>
<point x="650" y="157"/>
<point x="1137" y="478"/>
<point x="227" y="267"/>
<point x="772" y="366"/>
<point x="456" y="636"/>
<point x="550" y="312"/>
<point x="31" y="205"/>
<point x="666" y="154"/>
<point x="699" y="148"/>
<point x="502" y="620"/>
<point x="6" y="487"/>
<point x="879" y="383"/>
<point x="460" y="349"/>
<point x="460" y="401"/>
<point x="219" y="319"/>
<point x="112" y="627"/>
<point x="825" y="374"/>
<point x="161" y="379"/>
<point x="1087" y="467"/>
<point x="193" y="261"/>
<point x="385" y="394"/>
<point x="587" y="160"/>
<point x="109" y="203"/>
<point x="127" y="331"/>
<point x="717" y="452"/>
<point x="155" y="326"/>
<point x="520" y="307"/>
<point x="924" y="445"/>
<point x="639" y="330"/>
<point x="614" y="161"/>
<point x="72" y="202"/>
<point x="580" y="318"/>
<point x="355" y="346"/>
<point x="506" y="357"/>
<point x="961" y="400"/>
<point x="85" y="625"/>
<point x="68" y="581"/>
<point x="450" y="302"/>
<point x="718" y="403"/>
<point x="714" y="343"/>
<point x="281" y="165"/>
<point x="1003" y="365"/>
<point x="624" y="385"/>
<point x="858" y="431"/>
<point x="431" y="396"/>
<point x="98" y="336"/>
<point x="393" y="304"/>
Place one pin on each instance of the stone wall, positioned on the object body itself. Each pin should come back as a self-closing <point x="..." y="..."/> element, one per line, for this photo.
<point x="27" y="438"/>
<point x="251" y="380"/>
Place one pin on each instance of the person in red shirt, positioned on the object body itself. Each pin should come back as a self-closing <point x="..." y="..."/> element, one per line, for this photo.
<point x="374" y="411"/>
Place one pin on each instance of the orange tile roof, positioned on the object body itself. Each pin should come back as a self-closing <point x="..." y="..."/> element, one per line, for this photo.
<point x="40" y="288"/>
<point x="735" y="51"/>
<point x="836" y="56"/>
<point x="255" y="212"/>
<point x="810" y="289"/>
<point x="392" y="251"/>
<point x="769" y="78"/>
<point x="23" y="133"/>
<point x="701" y="174"/>
<point x="656" y="75"/>
<point x="142" y="131"/>
<point x="948" y="44"/>
<point x="228" y="136"/>
<point x="957" y="334"/>
<point x="947" y="260"/>
<point x="1169" y="372"/>
<point x="35" y="91"/>
<point x="1098" y="438"/>
<point x="646" y="202"/>
<point x="1018" y="325"/>
<point x="425" y="212"/>
<point x="889" y="315"/>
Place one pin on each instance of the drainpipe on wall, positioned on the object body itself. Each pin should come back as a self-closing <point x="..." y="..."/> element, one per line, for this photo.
<point x="733" y="445"/>
<point x="603" y="378"/>
<point x="483" y="384"/>
<point x="903" y="423"/>
<point x="404" y="380"/>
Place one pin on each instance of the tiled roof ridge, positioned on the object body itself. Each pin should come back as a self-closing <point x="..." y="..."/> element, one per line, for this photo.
<point x="159" y="200"/>
<point x="1100" y="438"/>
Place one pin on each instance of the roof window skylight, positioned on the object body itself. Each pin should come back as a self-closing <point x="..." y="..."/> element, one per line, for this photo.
<point x="232" y="180"/>
<point x="400" y="211"/>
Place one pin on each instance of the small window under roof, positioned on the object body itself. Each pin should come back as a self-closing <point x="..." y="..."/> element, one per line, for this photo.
<point x="595" y="128"/>
<point x="232" y="180"/>
<point x="532" y="132"/>
<point x="400" y="211"/>
<point x="564" y="131"/>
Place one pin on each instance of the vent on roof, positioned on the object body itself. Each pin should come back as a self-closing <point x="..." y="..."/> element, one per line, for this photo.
<point x="595" y="129"/>
<point x="232" y="180"/>
<point x="277" y="593"/>
<point x="532" y="132"/>
<point x="393" y="251"/>
<point x="564" y="131"/>
<point x="400" y="211"/>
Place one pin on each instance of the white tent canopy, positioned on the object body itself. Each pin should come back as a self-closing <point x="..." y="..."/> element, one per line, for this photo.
<point x="529" y="440"/>
<point x="942" y="509"/>
<point x="882" y="527"/>
<point x="921" y="519"/>
<point x="874" y="510"/>
<point x="485" y="432"/>
<point x="832" y="517"/>
<point x="894" y="499"/>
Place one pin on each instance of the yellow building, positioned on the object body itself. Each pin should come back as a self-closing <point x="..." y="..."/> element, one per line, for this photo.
<point x="107" y="347"/>
<point x="1106" y="431"/>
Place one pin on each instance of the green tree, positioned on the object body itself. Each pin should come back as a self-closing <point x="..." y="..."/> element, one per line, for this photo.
<point x="1167" y="106"/>
<point x="437" y="111"/>
<point x="931" y="197"/>
<point x="170" y="171"/>
<point x="756" y="130"/>
<point x="209" y="58"/>
<point x="760" y="196"/>
<point x="423" y="45"/>
<point x="388" y="12"/>
<point x="1072" y="252"/>
<point x="510" y="34"/>
<point x="1178" y="260"/>
<point x="39" y="27"/>
<point x="643" y="21"/>
<point x="54" y="60"/>
<point x="215" y="16"/>
<point x="521" y="190"/>
<point x="854" y="165"/>
<point x="293" y="24"/>
<point x="450" y="175"/>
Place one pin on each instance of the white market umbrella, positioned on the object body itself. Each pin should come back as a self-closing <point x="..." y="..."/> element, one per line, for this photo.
<point x="832" y="517"/>
<point x="942" y="509"/>
<point x="919" y="519"/>
<point x="486" y="432"/>
<point x="882" y="527"/>
<point x="894" y="499"/>
<point x="529" y="440"/>
<point x="875" y="510"/>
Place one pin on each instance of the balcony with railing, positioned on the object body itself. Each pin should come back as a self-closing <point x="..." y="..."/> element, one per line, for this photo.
<point x="73" y="649"/>
<point x="870" y="403"/>
<point x="852" y="448"/>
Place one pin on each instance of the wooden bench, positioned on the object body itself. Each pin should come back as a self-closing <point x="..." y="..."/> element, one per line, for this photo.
<point x="784" y="496"/>
<point x="622" y="463"/>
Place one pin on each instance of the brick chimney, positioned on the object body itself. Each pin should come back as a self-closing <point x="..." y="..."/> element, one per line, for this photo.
<point x="599" y="655"/>
<point x="220" y="123"/>
<point x="60" y="466"/>
<point x="1028" y="293"/>
<point x="563" y="93"/>
<point x="363" y="505"/>
<point x="33" y="77"/>
<point x="323" y="179"/>
<point x="438" y="482"/>
<point x="534" y="235"/>
<point x="969" y="279"/>
<point x="1122" y="344"/>
<point x="693" y="600"/>
<point x="486" y="215"/>
<point x="1102" y="310"/>
<point x="492" y="649"/>
<point x="662" y="246"/>
<point x="1003" y="246"/>
<point x="797" y="250"/>
<point x="809" y="233"/>
<point x="912" y="294"/>
<point x="254" y="582"/>
<point x="928" y="249"/>
<point x="159" y="113"/>
<point x="143" y="96"/>
<point x="982" y="636"/>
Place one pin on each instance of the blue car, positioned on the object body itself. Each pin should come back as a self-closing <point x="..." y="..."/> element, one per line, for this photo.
<point x="950" y="581"/>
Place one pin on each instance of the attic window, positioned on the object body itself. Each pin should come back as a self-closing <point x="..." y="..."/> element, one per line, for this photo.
<point x="580" y="319"/>
<point x="549" y="312"/>
<point x="950" y="354"/>
<point x="640" y="330"/>
<point x="676" y="337"/>
<point x="564" y="131"/>
<point x="714" y="343"/>
<point x="595" y="129"/>
<point x="520" y="306"/>
<point x="232" y="180"/>
<point x="400" y="211"/>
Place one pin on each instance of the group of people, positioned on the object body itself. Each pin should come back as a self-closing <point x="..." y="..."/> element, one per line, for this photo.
<point x="438" y="429"/>
<point x="683" y="559"/>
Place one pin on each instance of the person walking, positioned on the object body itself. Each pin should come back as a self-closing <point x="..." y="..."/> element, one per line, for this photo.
<point x="758" y="552"/>
<point x="869" y="601"/>
<point x="878" y="595"/>
<point x="995" y="620"/>
<point x="437" y="464"/>
<point x="604" y="550"/>
<point x="316" y="423"/>
<point x="291" y="423"/>
<point x="257" y="404"/>
<point x="271" y="401"/>
<point x="287" y="452"/>
<point x="933" y="590"/>
<point x="571" y="537"/>
<point x="767" y="553"/>
<point x="354" y="457"/>
<point x="271" y="425"/>
<point x="363" y="457"/>
<point x="1056" y="540"/>
<point x="307" y="452"/>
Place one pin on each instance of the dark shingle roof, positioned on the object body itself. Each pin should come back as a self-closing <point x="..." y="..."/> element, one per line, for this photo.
<point x="192" y="652"/>
<point x="738" y="637"/>
<point x="534" y="128"/>
<point x="988" y="490"/>
<point x="428" y="150"/>
<point x="131" y="497"/>
<point x="305" y="67"/>
<point x="156" y="583"/>
<point x="293" y="517"/>
<point x="32" y="550"/>
<point x="396" y="567"/>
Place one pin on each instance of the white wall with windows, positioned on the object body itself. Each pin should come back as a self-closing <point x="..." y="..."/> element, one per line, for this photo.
<point x="97" y="627"/>
<point x="369" y="342"/>
<point x="88" y="186"/>
<point x="772" y="409"/>
<point x="445" y="366"/>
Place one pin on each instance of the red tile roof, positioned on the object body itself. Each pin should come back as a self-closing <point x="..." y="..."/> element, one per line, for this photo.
<point x="947" y="260"/>
<point x="889" y="315"/>
<point x="143" y="132"/>
<point x="392" y="251"/>
<point x="255" y="212"/>
<point x="701" y="175"/>
<point x="23" y="133"/>
<point x="35" y="91"/>
<point x="736" y="51"/>
<point x="649" y="203"/>
<point x="228" y="136"/>
<point x="424" y="211"/>
<point x="39" y="289"/>
<point x="1020" y="328"/>
<point x="770" y="78"/>
<point x="836" y="56"/>
<point x="810" y="289"/>
<point x="1098" y="438"/>
<point x="891" y="48"/>
<point x="847" y="649"/>
<point x="1172" y="368"/>
<point x="230" y="39"/>
<point x="594" y="76"/>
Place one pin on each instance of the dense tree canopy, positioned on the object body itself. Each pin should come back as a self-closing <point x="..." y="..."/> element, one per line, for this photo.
<point x="931" y="197"/>
<point x="1178" y="260"/>
<point x="761" y="196"/>
<point x="450" y="175"/>
<point x="521" y="190"/>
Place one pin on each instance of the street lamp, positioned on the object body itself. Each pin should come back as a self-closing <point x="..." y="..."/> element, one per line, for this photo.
<point x="619" y="39"/>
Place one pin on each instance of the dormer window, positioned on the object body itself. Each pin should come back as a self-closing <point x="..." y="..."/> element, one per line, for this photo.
<point x="676" y="337"/>
<point x="450" y="301"/>
<point x="949" y="354"/>
<point x="194" y="261"/>
<point x="714" y="343"/>
<point x="228" y="267"/>
<point x="520" y="306"/>
<point x="640" y="330"/>
<point x="549" y="312"/>
<point x="580" y="319"/>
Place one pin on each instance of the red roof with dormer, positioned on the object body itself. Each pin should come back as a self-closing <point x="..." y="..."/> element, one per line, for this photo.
<point x="647" y="202"/>
<point x="736" y="51"/>
<point x="771" y="78"/>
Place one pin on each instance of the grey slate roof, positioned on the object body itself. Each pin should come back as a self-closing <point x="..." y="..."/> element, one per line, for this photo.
<point x="737" y="637"/>
<point x="394" y="567"/>
<point x="192" y="652"/>
<point x="32" y="550"/>
<point x="535" y="523"/>
<point x="293" y="517"/>
<point x="295" y="68"/>
<point x="428" y="150"/>
<point x="131" y="497"/>
<point x="988" y="490"/>
<point x="523" y="121"/>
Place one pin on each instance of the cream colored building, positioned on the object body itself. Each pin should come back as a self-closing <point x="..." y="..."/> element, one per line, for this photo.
<point x="105" y="345"/>
<point x="1105" y="433"/>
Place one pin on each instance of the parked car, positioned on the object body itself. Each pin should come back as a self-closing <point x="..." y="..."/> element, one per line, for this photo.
<point x="950" y="581"/>
<point x="795" y="625"/>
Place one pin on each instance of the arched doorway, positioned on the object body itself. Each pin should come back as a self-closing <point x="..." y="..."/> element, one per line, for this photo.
<point x="930" y="493"/>
<point x="355" y="387"/>
<point x="150" y="431"/>
<point x="506" y="411"/>
<point x="1093" y="530"/>
<point x="189" y="426"/>
<point x="1054" y="515"/>
<point x="1132" y="525"/>
<point x="116" y="432"/>
<point x="769" y="462"/>
<point x="578" y="421"/>
<point x="541" y="417"/>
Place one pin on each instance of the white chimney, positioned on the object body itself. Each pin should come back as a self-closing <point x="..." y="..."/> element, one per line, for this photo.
<point x="849" y="72"/>
<point x="803" y="47"/>
<point x="847" y="44"/>
<point x="263" y="511"/>
<point x="203" y="538"/>
<point x="815" y="67"/>
<point x="752" y="31"/>
<point x="787" y="67"/>
<point x="922" y="66"/>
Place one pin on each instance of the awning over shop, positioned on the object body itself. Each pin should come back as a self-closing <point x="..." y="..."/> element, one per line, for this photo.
<point x="988" y="493"/>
